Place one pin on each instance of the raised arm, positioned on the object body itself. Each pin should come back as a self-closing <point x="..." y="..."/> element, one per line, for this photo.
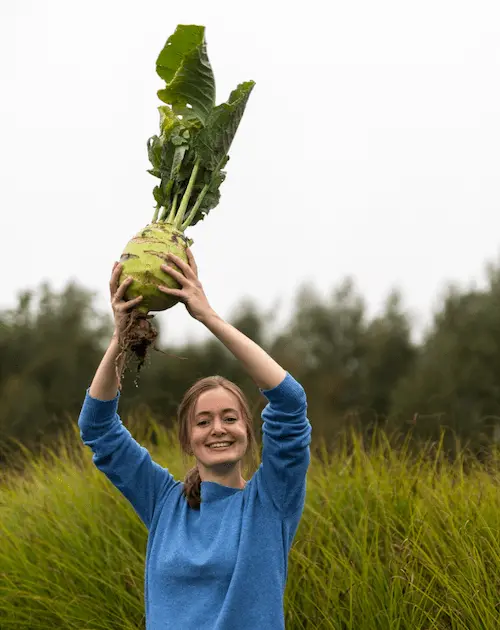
<point x="106" y="381"/>
<point x="264" y="370"/>
<point x="127" y="464"/>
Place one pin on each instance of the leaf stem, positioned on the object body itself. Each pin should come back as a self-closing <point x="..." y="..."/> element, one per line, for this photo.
<point x="194" y="209"/>
<point x="167" y="193"/>
<point x="187" y="195"/>
<point x="163" y="214"/>
<point x="171" y="216"/>
<point x="155" y="215"/>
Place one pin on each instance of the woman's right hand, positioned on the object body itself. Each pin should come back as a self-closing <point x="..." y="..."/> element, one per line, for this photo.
<point x="121" y="308"/>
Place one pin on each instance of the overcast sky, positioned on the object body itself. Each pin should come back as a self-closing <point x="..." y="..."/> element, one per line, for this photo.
<point x="370" y="146"/>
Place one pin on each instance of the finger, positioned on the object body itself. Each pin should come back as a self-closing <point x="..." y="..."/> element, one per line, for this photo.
<point x="176" y="292"/>
<point x="115" y="275"/>
<point x="126" y="306"/>
<point x="192" y="262"/>
<point x="186" y="269"/>
<point x="177" y="275"/>
<point x="122" y="289"/>
<point x="131" y="303"/>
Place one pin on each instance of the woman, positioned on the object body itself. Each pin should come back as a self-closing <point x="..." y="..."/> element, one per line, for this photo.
<point x="217" y="551"/>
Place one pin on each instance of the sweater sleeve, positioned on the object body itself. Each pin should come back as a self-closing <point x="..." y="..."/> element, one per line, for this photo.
<point x="286" y="438"/>
<point x="127" y="464"/>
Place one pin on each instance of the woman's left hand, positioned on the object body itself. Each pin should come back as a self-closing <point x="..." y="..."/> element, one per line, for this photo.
<point x="192" y="293"/>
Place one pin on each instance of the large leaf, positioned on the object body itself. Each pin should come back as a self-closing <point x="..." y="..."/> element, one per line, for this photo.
<point x="192" y="130"/>
<point x="213" y="142"/>
<point x="183" y="64"/>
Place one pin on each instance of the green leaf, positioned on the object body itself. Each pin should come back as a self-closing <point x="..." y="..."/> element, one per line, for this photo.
<point x="183" y="64"/>
<point x="215" y="178"/>
<point x="194" y="132"/>
<point x="168" y="121"/>
<point x="213" y="142"/>
<point x="166" y="186"/>
<point x="177" y="161"/>
<point x="158" y="195"/>
<point x="155" y="147"/>
<point x="187" y="167"/>
<point x="210" y="200"/>
<point x="178" y="139"/>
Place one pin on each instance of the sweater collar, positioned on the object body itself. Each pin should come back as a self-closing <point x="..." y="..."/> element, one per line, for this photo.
<point x="212" y="491"/>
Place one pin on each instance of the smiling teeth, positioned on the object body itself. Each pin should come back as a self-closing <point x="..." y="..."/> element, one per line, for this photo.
<point x="220" y="444"/>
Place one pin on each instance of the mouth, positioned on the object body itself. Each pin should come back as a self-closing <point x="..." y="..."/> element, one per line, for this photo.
<point x="219" y="446"/>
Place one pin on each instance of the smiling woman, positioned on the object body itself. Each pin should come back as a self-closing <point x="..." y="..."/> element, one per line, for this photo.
<point x="217" y="553"/>
<point x="215" y="426"/>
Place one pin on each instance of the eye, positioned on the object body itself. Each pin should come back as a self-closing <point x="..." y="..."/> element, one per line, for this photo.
<point x="202" y="423"/>
<point x="231" y="419"/>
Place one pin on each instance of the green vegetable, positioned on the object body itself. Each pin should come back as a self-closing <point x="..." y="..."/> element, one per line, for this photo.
<point x="188" y="157"/>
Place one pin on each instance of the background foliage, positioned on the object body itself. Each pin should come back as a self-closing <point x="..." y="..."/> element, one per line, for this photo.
<point x="358" y="372"/>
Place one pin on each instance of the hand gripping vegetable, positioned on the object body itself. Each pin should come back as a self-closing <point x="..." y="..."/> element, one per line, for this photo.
<point x="188" y="157"/>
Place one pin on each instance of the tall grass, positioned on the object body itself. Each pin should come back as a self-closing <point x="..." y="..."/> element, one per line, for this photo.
<point x="387" y="541"/>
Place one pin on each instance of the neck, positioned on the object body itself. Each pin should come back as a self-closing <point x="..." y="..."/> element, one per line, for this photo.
<point x="225" y="477"/>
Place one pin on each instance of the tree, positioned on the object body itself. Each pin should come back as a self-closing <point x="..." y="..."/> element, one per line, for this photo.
<point x="455" y="381"/>
<point x="49" y="344"/>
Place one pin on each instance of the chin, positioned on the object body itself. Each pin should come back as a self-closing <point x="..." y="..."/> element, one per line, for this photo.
<point x="223" y="460"/>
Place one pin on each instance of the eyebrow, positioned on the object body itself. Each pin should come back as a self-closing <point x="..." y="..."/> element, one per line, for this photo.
<point x="209" y="413"/>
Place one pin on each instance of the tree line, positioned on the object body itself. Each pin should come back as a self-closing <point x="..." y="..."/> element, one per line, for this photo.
<point x="359" y="372"/>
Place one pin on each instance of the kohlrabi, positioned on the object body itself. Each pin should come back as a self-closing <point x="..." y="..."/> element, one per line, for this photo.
<point x="188" y="157"/>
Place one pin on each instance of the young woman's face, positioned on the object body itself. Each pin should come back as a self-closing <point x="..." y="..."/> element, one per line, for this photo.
<point x="218" y="431"/>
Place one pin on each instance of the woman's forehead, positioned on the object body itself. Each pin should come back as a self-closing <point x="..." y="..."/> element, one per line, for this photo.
<point x="216" y="400"/>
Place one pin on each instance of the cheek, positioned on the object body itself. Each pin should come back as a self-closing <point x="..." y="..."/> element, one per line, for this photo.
<point x="196" y="439"/>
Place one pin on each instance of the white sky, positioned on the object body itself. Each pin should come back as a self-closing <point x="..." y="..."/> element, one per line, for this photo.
<point x="370" y="146"/>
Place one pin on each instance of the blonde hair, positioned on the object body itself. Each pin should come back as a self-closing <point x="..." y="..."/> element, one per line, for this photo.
<point x="185" y="414"/>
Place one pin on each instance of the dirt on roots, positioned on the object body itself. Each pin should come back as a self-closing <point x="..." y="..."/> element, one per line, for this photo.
<point x="134" y="341"/>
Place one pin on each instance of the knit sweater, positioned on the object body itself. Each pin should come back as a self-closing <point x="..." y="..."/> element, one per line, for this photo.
<point x="224" y="566"/>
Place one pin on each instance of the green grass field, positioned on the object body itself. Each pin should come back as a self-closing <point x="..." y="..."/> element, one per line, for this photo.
<point x="386" y="542"/>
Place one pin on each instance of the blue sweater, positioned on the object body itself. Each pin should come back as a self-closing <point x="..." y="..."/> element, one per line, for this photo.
<point x="222" y="567"/>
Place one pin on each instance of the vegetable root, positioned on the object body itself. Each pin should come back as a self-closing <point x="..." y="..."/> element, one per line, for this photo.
<point x="134" y="341"/>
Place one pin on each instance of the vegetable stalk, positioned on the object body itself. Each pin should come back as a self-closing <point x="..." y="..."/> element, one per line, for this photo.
<point x="195" y="208"/>
<point x="187" y="196"/>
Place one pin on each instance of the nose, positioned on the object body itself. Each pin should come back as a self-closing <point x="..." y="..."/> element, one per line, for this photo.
<point x="218" y="427"/>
